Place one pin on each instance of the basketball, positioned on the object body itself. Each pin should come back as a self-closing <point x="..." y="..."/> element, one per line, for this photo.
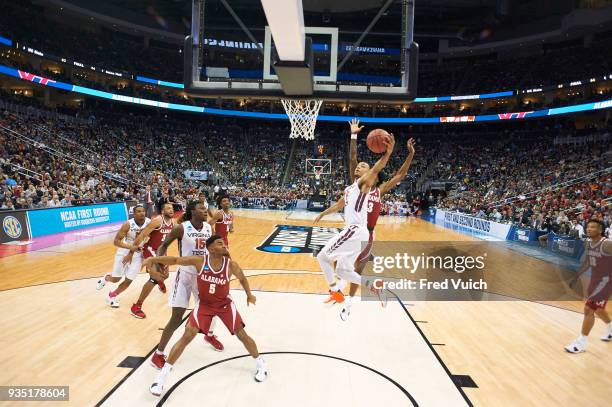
<point x="377" y="141"/>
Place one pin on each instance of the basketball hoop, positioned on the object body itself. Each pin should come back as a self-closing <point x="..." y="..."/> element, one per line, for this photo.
<point x="302" y="115"/>
<point x="317" y="173"/>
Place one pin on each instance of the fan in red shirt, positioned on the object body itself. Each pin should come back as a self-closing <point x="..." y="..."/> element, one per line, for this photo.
<point x="213" y="279"/>
<point x="155" y="232"/>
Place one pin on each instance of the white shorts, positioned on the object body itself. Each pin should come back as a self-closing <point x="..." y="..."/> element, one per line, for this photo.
<point x="184" y="285"/>
<point x="346" y="245"/>
<point x="131" y="270"/>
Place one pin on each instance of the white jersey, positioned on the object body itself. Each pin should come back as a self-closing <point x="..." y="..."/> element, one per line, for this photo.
<point x="356" y="208"/>
<point x="193" y="243"/>
<point x="130" y="237"/>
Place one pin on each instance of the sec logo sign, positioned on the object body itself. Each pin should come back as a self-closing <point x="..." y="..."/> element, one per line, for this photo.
<point x="12" y="227"/>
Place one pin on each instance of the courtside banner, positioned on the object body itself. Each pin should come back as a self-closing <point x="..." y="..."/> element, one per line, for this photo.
<point x="477" y="226"/>
<point x="57" y="220"/>
<point x="14" y="226"/>
<point x="524" y="235"/>
<point x="565" y="246"/>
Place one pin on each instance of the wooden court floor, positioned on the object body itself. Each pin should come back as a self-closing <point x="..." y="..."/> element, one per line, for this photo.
<point x="57" y="329"/>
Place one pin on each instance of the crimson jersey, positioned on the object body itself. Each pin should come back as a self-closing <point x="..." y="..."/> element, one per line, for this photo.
<point x="156" y="238"/>
<point x="222" y="226"/>
<point x="214" y="285"/>
<point x="373" y="208"/>
<point x="600" y="286"/>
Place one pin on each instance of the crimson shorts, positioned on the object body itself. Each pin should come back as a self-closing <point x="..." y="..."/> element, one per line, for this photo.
<point x="599" y="292"/>
<point x="202" y="316"/>
<point x="595" y="305"/>
<point x="147" y="251"/>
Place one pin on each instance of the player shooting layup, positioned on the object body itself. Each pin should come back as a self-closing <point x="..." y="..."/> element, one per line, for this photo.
<point x="345" y="247"/>
<point x="374" y="204"/>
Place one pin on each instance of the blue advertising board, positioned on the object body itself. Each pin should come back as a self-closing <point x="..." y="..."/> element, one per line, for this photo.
<point x="566" y="246"/>
<point x="525" y="235"/>
<point x="57" y="220"/>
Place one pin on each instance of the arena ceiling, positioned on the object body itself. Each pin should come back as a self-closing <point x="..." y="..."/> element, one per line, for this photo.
<point x="467" y="21"/>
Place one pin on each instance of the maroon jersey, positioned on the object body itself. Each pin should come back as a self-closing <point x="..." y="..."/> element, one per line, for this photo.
<point x="214" y="285"/>
<point x="373" y="208"/>
<point x="156" y="238"/>
<point x="222" y="226"/>
<point x="600" y="286"/>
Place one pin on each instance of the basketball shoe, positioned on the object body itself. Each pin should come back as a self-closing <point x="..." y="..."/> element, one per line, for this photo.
<point x="137" y="311"/>
<point x="578" y="346"/>
<point x="102" y="282"/>
<point x="158" y="360"/>
<point x="112" y="300"/>
<point x="214" y="342"/>
<point x="261" y="372"/>
<point x="336" y="297"/>
<point x="607" y="336"/>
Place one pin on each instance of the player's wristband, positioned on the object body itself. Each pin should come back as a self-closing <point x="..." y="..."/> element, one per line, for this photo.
<point x="152" y="280"/>
<point x="353" y="136"/>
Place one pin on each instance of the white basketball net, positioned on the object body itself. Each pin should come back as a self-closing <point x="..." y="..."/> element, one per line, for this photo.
<point x="302" y="116"/>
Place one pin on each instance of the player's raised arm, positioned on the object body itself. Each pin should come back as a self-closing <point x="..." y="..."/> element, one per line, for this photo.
<point x="175" y="233"/>
<point x="401" y="173"/>
<point x="369" y="178"/>
<point x="237" y="271"/>
<point x="332" y="209"/>
<point x="146" y="232"/>
<point x="195" y="261"/>
<point x="355" y="129"/>
<point x="121" y="234"/>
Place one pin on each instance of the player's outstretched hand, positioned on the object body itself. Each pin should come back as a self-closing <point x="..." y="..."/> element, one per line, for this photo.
<point x="317" y="219"/>
<point x="355" y="127"/>
<point x="251" y="299"/>
<point x="411" y="143"/>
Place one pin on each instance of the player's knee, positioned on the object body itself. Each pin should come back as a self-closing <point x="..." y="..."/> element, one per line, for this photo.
<point x="588" y="311"/>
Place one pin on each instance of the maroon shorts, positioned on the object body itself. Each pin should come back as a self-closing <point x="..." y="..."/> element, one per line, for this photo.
<point x="595" y="305"/>
<point x="365" y="254"/>
<point x="599" y="292"/>
<point x="202" y="316"/>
